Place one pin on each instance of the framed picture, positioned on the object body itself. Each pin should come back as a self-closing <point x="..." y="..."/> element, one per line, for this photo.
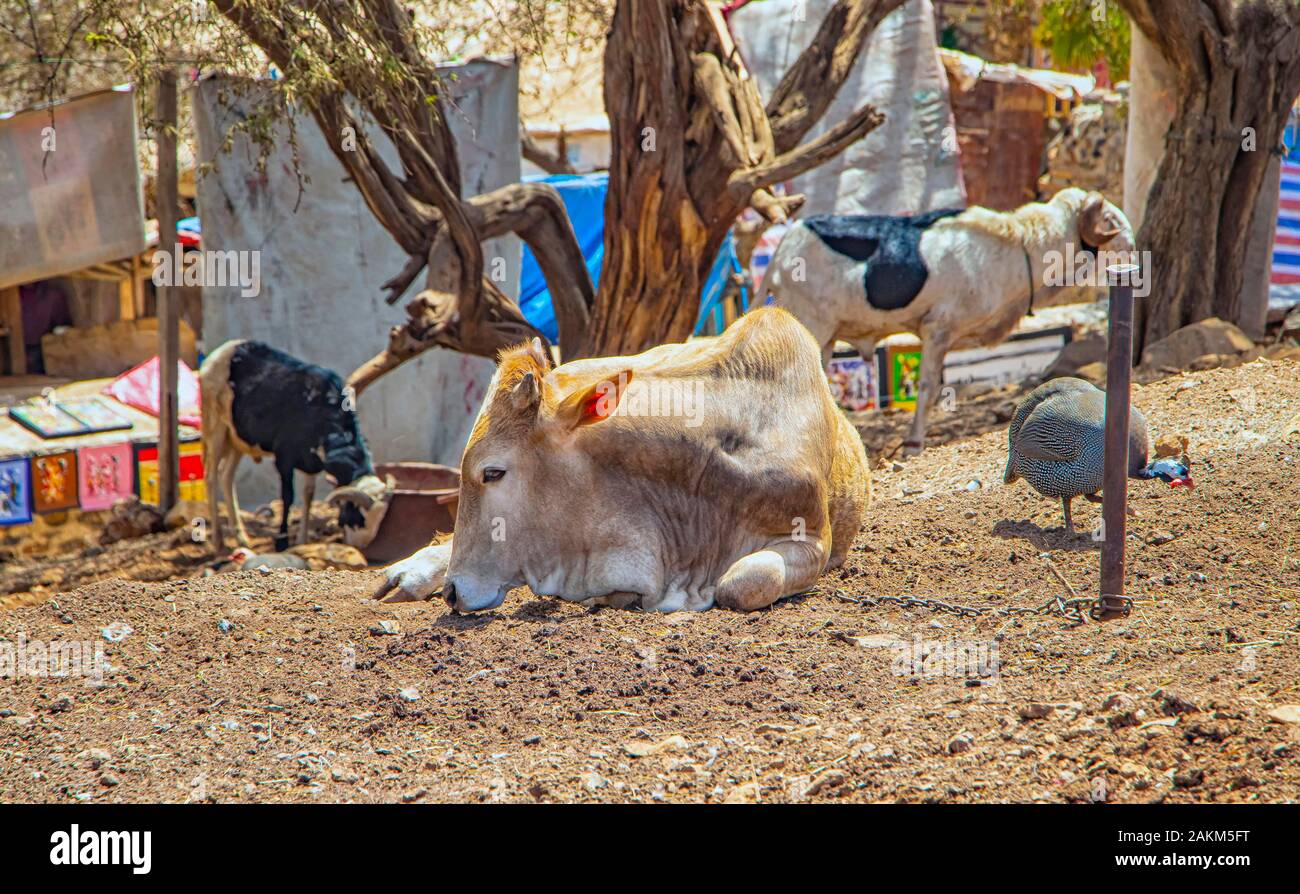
<point x="47" y="420"/>
<point x="192" y="485"/>
<point x="15" y="491"/>
<point x="904" y="376"/>
<point x="104" y="475"/>
<point x="54" y="481"/>
<point x="854" y="382"/>
<point x="146" y="472"/>
<point x="61" y="419"/>
<point x="96" y="415"/>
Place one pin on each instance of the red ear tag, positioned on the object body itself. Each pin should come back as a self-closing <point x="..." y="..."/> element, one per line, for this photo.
<point x="596" y="406"/>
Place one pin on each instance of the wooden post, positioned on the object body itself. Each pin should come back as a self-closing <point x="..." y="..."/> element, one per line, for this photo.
<point x="1114" y="510"/>
<point x="165" y="129"/>
<point x="11" y="312"/>
<point x="125" y="298"/>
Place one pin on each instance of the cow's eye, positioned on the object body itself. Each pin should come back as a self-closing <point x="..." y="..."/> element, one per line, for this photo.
<point x="491" y="474"/>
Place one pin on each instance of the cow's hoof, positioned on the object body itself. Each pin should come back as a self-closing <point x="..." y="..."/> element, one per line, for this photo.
<point x="281" y="544"/>
<point x="415" y="578"/>
<point x="912" y="448"/>
<point x="753" y="582"/>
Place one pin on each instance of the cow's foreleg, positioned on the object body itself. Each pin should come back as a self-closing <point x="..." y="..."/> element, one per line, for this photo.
<point x="308" y="494"/>
<point x="761" y="578"/>
<point x="934" y="348"/>
<point x="286" y="500"/>
<point x="416" y="577"/>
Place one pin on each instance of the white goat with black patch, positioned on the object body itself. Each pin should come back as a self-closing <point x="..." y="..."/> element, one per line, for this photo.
<point x="952" y="277"/>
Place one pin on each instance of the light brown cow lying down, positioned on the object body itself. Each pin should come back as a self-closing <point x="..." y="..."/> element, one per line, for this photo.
<point x="719" y="470"/>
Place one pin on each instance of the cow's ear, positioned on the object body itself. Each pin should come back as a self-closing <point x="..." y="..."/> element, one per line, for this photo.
<point x="540" y="353"/>
<point x="595" y="402"/>
<point x="526" y="393"/>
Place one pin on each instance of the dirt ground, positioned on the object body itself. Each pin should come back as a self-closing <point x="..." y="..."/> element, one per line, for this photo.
<point x="288" y="686"/>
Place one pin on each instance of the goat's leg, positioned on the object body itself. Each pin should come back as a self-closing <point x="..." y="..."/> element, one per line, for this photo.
<point x="228" y="469"/>
<point x="308" y="494"/>
<point x="214" y="450"/>
<point x="934" y="348"/>
<point x="286" y="501"/>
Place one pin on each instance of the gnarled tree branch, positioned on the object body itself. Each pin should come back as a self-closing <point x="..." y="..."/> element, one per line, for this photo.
<point x="812" y="83"/>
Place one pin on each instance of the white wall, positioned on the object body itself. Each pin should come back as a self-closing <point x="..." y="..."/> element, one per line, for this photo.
<point x="324" y="258"/>
<point x="906" y="165"/>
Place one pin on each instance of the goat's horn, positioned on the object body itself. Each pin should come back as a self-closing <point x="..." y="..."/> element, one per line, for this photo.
<point x="351" y="495"/>
<point x="1096" y="225"/>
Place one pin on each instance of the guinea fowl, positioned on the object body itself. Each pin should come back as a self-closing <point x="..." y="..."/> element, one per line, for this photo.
<point x="1056" y="442"/>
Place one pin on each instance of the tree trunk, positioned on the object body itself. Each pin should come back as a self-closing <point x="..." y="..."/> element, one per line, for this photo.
<point x="691" y="146"/>
<point x="1237" y="71"/>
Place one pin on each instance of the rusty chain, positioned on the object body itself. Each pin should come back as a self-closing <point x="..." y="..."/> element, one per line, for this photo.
<point x="1071" y="609"/>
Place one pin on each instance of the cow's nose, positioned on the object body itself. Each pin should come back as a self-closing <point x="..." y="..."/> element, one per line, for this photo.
<point x="449" y="593"/>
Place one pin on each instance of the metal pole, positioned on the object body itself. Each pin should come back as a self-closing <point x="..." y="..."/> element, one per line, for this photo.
<point x="1114" y="512"/>
<point x="165" y="118"/>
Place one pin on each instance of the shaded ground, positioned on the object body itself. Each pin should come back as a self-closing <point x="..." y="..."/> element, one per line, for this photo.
<point x="166" y="555"/>
<point x="288" y="687"/>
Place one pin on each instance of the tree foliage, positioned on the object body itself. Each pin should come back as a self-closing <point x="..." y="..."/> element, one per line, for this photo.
<point x="1079" y="32"/>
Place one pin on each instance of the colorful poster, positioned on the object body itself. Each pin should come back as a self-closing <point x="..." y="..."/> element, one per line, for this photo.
<point x="54" y="482"/>
<point x="15" y="492"/>
<point x="191" y="472"/>
<point x="104" y="475"/>
<point x="192" y="486"/>
<point x="904" y="377"/>
<point x="146" y="473"/>
<point x="854" y="383"/>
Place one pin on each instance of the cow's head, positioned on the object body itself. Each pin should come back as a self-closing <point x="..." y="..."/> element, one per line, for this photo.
<point x="521" y="465"/>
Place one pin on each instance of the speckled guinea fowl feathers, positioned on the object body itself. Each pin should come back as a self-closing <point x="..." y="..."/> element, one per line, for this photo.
<point x="1057" y="439"/>
<point x="1058" y="429"/>
<point x="1062" y="385"/>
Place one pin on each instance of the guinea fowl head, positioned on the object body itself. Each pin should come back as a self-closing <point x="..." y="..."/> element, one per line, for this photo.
<point x="1170" y="470"/>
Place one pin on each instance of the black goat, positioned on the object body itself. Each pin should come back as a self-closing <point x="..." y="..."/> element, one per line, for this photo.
<point x="259" y="402"/>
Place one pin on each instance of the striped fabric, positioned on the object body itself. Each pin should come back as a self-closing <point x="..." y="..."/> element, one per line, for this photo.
<point x="1286" y="246"/>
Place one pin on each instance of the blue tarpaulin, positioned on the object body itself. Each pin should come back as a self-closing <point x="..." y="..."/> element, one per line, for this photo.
<point x="584" y="199"/>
